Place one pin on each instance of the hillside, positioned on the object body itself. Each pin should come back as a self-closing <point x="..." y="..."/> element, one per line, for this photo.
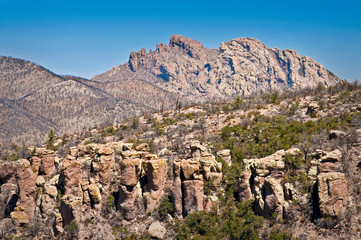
<point x="33" y="99"/>
<point x="267" y="166"/>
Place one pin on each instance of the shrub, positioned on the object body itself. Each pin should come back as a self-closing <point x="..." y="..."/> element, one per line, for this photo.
<point x="276" y="235"/>
<point x="235" y="222"/>
<point x="166" y="207"/>
<point x="72" y="229"/>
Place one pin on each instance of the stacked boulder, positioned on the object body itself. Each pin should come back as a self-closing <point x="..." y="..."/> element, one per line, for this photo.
<point x="189" y="176"/>
<point x="331" y="184"/>
<point x="142" y="177"/>
<point x="263" y="181"/>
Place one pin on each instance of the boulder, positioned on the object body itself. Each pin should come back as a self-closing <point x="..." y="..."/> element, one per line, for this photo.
<point x="58" y="223"/>
<point x="40" y="181"/>
<point x="225" y="155"/>
<point x="51" y="190"/>
<point x="144" y="147"/>
<point x="106" y="163"/>
<point x="211" y="204"/>
<point x="19" y="216"/>
<point x="333" y="156"/>
<point x="105" y="150"/>
<point x="274" y="198"/>
<point x="47" y="204"/>
<point x="47" y="166"/>
<point x="94" y="193"/>
<point x="325" y="167"/>
<point x="190" y="168"/>
<point x="244" y="187"/>
<point x="70" y="208"/>
<point x="35" y="163"/>
<point x="312" y="108"/>
<point x="156" y="230"/>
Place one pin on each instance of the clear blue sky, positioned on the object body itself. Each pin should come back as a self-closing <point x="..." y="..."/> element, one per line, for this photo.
<point x="85" y="38"/>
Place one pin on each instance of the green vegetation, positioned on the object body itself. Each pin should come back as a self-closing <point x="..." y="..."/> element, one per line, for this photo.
<point x="166" y="207"/>
<point x="276" y="235"/>
<point x="265" y="135"/>
<point x="235" y="222"/>
<point x="110" y="131"/>
<point x="72" y="229"/>
<point x="51" y="140"/>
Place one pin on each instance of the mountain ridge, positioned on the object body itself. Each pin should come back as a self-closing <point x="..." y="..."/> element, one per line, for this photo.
<point x="182" y="73"/>
<point x="237" y="67"/>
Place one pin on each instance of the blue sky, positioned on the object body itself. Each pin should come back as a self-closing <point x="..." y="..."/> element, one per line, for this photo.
<point x="85" y="38"/>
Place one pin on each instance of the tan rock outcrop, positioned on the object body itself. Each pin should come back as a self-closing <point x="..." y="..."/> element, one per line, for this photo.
<point x="190" y="168"/>
<point x="261" y="181"/>
<point x="211" y="204"/>
<point x="130" y="170"/>
<point x="332" y="193"/>
<point x="26" y="181"/>
<point x="225" y="155"/>
<point x="47" y="204"/>
<point x="72" y="175"/>
<point x="126" y="201"/>
<point x="193" y="197"/>
<point x="47" y="166"/>
<point x="177" y="190"/>
<point x="95" y="193"/>
<point x="156" y="173"/>
<point x="331" y="183"/>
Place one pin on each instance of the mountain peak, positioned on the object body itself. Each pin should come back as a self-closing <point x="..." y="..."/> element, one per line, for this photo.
<point x="184" y="42"/>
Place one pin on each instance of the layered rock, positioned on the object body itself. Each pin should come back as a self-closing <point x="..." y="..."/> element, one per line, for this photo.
<point x="190" y="174"/>
<point x="263" y="181"/>
<point x="155" y="171"/>
<point x="332" y="186"/>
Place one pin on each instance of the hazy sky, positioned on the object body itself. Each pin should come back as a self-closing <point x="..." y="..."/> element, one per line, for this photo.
<point x="85" y="38"/>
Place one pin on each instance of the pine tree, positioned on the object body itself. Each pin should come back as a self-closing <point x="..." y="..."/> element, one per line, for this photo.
<point x="51" y="139"/>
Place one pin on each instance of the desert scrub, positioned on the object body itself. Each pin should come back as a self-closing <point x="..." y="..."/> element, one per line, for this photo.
<point x="237" y="221"/>
<point x="169" y="121"/>
<point x="166" y="207"/>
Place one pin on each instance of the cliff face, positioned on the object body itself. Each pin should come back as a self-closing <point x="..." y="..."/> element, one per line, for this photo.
<point x="97" y="185"/>
<point x="238" y="67"/>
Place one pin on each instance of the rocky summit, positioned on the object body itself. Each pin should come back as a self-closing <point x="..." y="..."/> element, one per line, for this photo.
<point x="198" y="74"/>
<point x="271" y="166"/>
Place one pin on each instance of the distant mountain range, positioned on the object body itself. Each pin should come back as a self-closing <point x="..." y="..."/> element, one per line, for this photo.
<point x="33" y="99"/>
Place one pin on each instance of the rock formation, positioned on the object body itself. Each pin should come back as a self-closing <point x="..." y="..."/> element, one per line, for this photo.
<point x="196" y="73"/>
